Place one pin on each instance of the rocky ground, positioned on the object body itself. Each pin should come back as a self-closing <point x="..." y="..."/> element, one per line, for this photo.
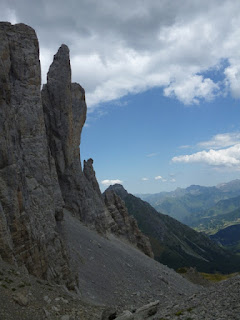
<point x="23" y="297"/>
<point x="115" y="279"/>
<point x="217" y="302"/>
<point x="113" y="272"/>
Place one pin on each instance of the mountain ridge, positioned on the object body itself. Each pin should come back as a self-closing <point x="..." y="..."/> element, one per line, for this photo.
<point x="174" y="243"/>
<point x="61" y="256"/>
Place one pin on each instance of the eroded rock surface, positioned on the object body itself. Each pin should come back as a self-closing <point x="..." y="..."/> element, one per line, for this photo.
<point x="30" y="197"/>
<point x="123" y="224"/>
<point x="65" y="113"/>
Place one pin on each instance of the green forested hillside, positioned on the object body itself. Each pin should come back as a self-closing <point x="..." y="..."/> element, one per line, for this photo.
<point x="207" y="209"/>
<point x="229" y="237"/>
<point x="174" y="243"/>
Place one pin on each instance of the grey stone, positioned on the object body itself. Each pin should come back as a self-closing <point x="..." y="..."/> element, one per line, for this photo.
<point x="29" y="190"/>
<point x="21" y="299"/>
<point x="126" y="315"/>
<point x="65" y="113"/>
<point x="124" y="225"/>
<point x="109" y="314"/>
<point x="146" y="311"/>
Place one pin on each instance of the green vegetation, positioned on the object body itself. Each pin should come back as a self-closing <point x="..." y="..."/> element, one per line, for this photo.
<point x="217" y="277"/>
<point x="182" y="270"/>
<point x="177" y="245"/>
<point x="179" y="313"/>
<point x="207" y="209"/>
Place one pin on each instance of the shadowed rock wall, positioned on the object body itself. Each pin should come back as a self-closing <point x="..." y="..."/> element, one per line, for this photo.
<point x="40" y="167"/>
<point x="65" y="113"/>
<point x="30" y="197"/>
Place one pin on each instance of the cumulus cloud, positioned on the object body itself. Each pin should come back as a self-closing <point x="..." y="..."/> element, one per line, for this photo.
<point x="108" y="182"/>
<point x="126" y="47"/>
<point x="228" y="157"/>
<point x="192" y="89"/>
<point x="160" y="178"/>
<point x="221" y="141"/>
<point x="145" y="179"/>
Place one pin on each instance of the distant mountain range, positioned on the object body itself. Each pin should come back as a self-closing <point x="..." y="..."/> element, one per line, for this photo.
<point x="174" y="243"/>
<point x="206" y="209"/>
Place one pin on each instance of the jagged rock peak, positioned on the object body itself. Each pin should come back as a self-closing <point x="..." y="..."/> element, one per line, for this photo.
<point x="118" y="189"/>
<point x="60" y="69"/>
<point x="30" y="197"/>
<point x="65" y="114"/>
<point x="123" y="224"/>
<point x="90" y="175"/>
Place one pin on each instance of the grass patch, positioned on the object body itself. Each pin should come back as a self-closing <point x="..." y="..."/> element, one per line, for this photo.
<point x="179" y="313"/>
<point x="182" y="270"/>
<point x="216" y="277"/>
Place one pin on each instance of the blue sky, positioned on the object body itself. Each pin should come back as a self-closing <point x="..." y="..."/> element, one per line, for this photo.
<point x="162" y="81"/>
<point x="136" y="142"/>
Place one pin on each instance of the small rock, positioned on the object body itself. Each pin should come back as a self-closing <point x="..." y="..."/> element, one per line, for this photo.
<point x="109" y="314"/>
<point x="147" y="310"/>
<point x="21" y="299"/>
<point x="47" y="299"/>
<point x="65" y="317"/>
<point x="47" y="314"/>
<point x="54" y="308"/>
<point x="126" y="315"/>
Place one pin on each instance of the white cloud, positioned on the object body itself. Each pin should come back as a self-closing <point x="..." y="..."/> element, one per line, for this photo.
<point x="173" y="180"/>
<point x="108" y="182"/>
<point x="128" y="47"/>
<point x="186" y="146"/>
<point x="229" y="157"/>
<point x="232" y="74"/>
<point x="192" y="89"/>
<point x="154" y="154"/>
<point x="145" y="179"/>
<point x="221" y="141"/>
<point x="160" y="178"/>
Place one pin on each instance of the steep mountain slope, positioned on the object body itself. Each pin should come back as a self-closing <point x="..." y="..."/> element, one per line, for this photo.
<point x="114" y="273"/>
<point x="228" y="237"/>
<point x="175" y="244"/>
<point x="40" y="169"/>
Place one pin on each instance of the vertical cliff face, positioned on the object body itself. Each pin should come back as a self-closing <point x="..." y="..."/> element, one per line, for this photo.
<point x="65" y="113"/>
<point x="30" y="197"/>
<point x="40" y="167"/>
